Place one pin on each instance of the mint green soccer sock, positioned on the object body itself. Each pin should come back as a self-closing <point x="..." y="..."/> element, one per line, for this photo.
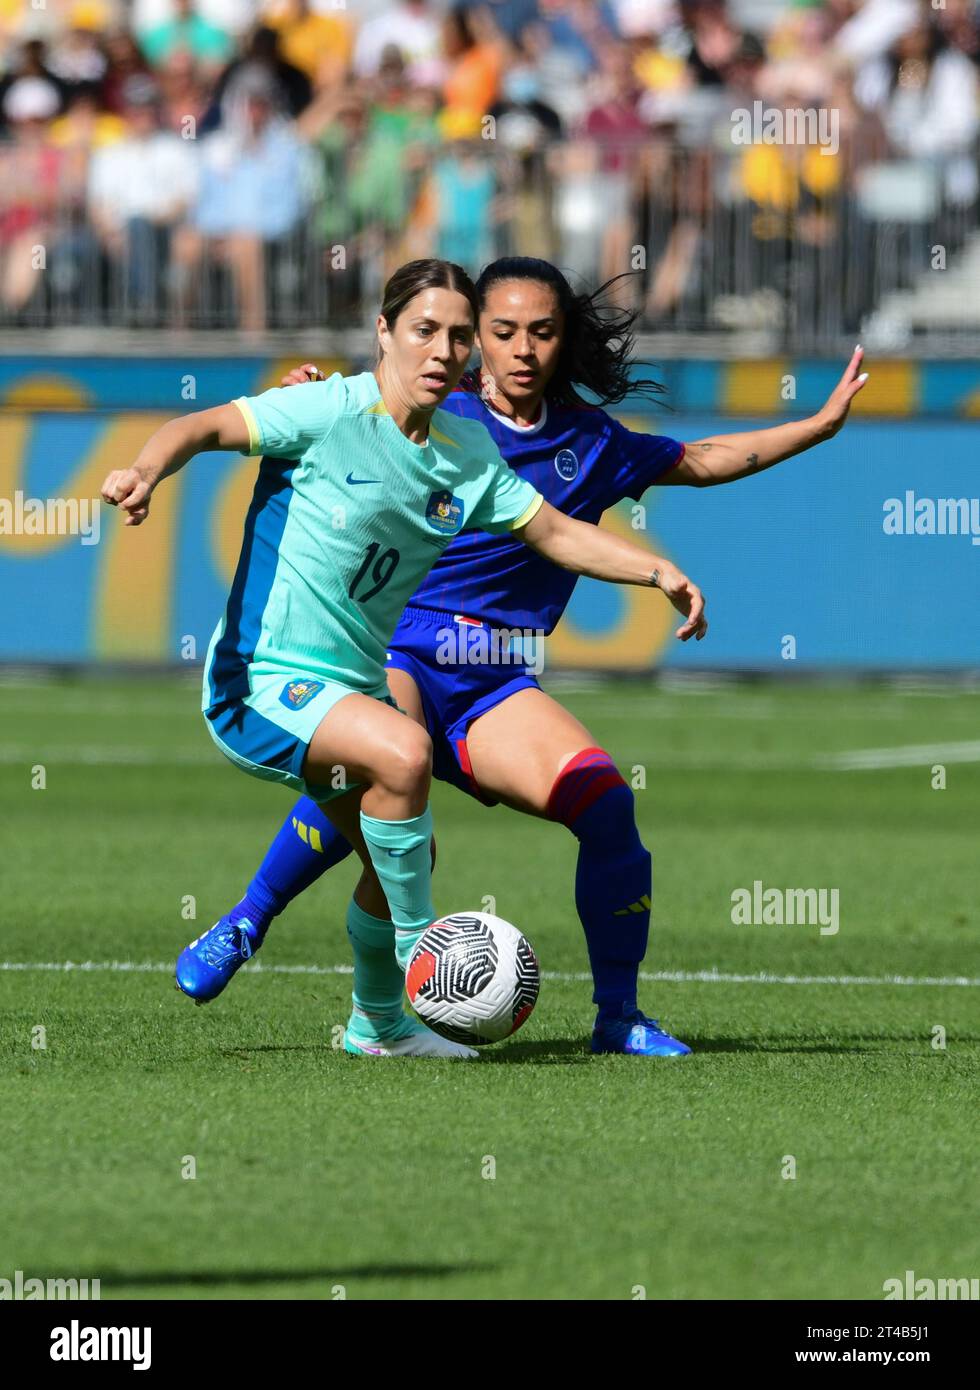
<point x="401" y="856"/>
<point x="379" y="981"/>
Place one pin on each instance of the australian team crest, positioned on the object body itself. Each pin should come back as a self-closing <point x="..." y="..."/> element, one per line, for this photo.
<point x="566" y="464"/>
<point x="444" y="513"/>
<point x="296" y="694"/>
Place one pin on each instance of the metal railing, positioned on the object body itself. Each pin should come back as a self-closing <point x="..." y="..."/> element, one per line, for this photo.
<point x="720" y="239"/>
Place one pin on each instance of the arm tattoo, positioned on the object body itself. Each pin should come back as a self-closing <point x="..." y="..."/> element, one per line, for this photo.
<point x="753" y="459"/>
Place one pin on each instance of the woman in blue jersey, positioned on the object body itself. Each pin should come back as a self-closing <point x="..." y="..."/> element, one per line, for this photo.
<point x="295" y="688"/>
<point x="495" y="733"/>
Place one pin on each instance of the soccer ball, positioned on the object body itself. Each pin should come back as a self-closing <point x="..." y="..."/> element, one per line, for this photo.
<point x="473" y="978"/>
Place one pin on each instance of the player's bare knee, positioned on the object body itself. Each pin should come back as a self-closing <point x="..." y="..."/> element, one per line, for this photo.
<point x="410" y="764"/>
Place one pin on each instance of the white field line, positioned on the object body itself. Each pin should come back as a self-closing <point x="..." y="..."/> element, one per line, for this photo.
<point x="98" y="754"/>
<point x="911" y="755"/>
<point x="712" y="977"/>
<point x="851" y="760"/>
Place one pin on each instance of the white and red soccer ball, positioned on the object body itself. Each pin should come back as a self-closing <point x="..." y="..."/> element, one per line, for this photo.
<point x="473" y="978"/>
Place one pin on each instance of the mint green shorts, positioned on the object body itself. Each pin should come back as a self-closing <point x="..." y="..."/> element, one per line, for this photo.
<point x="267" y="731"/>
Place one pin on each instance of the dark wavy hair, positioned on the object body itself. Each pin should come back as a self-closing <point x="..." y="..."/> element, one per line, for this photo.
<point x="597" y="339"/>
<point x="413" y="277"/>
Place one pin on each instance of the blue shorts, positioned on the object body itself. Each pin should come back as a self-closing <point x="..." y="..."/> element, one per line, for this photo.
<point x="439" y="651"/>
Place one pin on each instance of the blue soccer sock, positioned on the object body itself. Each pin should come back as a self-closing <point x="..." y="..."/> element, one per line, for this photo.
<point x="401" y="853"/>
<point x="306" y="846"/>
<point x="613" y="878"/>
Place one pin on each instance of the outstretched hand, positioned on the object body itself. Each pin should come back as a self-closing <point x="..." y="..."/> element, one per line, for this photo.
<point x="834" y="412"/>
<point x="687" y="598"/>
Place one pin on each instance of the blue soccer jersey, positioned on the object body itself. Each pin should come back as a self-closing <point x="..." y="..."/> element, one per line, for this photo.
<point x="583" y="462"/>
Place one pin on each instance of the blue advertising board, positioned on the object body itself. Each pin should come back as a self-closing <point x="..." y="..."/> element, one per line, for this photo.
<point x="864" y="553"/>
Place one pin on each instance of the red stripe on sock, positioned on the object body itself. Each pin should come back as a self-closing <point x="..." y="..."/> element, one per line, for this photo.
<point x="570" y="798"/>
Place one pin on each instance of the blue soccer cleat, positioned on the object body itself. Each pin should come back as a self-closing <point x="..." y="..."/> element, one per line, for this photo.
<point x="636" y="1035"/>
<point x="209" y="963"/>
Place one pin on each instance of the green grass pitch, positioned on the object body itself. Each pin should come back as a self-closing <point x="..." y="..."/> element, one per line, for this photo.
<point x="317" y="1172"/>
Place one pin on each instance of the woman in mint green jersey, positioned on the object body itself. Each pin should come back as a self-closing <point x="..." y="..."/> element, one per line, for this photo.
<point x="362" y="484"/>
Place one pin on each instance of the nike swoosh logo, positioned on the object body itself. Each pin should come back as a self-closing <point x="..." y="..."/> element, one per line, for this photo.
<point x="354" y="481"/>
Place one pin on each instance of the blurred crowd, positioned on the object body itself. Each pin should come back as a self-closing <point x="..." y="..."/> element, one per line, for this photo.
<point x="149" y="148"/>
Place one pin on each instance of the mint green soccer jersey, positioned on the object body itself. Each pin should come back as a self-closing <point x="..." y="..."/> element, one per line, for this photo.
<point x="347" y="517"/>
